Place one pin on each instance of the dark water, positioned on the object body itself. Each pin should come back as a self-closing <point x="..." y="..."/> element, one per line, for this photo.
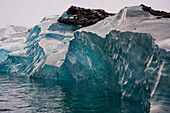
<point x="20" y="94"/>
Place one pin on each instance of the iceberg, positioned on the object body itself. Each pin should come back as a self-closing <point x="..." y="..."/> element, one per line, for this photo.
<point x="11" y="29"/>
<point x="127" y="53"/>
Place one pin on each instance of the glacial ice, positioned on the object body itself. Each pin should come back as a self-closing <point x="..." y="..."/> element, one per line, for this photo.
<point x="111" y="53"/>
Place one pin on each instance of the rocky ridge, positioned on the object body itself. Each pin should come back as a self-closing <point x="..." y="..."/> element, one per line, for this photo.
<point x="84" y="17"/>
<point x="156" y="12"/>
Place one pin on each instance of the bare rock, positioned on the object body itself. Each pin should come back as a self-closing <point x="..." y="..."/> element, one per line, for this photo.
<point x="84" y="17"/>
<point x="156" y="12"/>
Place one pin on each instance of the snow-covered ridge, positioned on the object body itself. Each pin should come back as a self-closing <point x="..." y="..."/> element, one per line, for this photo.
<point x="136" y="20"/>
<point x="11" y="29"/>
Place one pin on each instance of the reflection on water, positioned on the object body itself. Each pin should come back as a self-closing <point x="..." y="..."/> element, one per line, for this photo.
<point x="21" y="94"/>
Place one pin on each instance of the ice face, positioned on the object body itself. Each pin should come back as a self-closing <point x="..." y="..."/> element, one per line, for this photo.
<point x="124" y="61"/>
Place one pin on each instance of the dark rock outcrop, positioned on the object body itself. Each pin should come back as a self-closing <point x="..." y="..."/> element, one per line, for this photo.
<point x="155" y="12"/>
<point x="84" y="17"/>
<point x="29" y="30"/>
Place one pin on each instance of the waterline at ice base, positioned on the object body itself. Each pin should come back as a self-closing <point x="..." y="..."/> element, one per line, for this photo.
<point x="127" y="53"/>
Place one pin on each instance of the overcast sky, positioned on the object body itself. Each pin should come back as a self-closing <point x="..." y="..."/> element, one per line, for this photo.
<point x="30" y="12"/>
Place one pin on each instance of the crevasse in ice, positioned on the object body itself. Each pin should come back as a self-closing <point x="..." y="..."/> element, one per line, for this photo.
<point x="111" y="53"/>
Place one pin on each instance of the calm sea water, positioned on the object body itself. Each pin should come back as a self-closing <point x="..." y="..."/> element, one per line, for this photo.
<point x="20" y="94"/>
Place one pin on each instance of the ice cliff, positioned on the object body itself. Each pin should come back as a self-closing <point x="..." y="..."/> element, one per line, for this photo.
<point x="127" y="52"/>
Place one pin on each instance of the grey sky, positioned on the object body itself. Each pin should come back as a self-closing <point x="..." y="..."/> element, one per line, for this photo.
<point x="30" y="12"/>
